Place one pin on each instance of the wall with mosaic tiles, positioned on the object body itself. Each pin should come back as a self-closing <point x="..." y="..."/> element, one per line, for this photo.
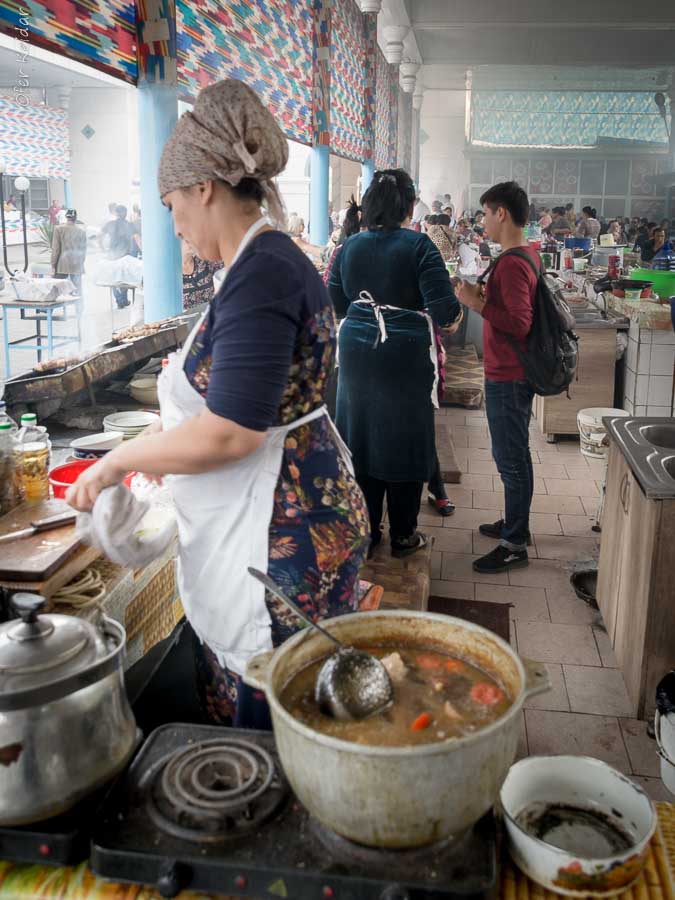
<point x="267" y="44"/>
<point x="99" y="33"/>
<point x="616" y="186"/>
<point x="562" y="119"/>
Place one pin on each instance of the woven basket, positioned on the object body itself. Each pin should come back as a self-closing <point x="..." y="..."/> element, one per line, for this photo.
<point x="155" y="612"/>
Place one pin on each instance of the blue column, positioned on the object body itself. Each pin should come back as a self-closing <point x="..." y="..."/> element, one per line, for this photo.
<point x="162" y="278"/>
<point x="367" y="172"/>
<point x="67" y="195"/>
<point x="318" y="195"/>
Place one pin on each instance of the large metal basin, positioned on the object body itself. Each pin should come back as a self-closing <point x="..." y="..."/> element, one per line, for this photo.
<point x="669" y="466"/>
<point x="404" y="796"/>
<point x="659" y="435"/>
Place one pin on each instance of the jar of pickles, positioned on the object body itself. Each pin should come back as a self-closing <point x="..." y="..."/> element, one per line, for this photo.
<point x="35" y="470"/>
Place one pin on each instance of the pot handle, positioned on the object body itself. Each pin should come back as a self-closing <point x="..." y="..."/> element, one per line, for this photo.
<point x="257" y="669"/>
<point x="537" y="679"/>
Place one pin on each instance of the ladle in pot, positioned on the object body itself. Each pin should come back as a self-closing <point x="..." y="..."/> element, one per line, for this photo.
<point x="351" y="684"/>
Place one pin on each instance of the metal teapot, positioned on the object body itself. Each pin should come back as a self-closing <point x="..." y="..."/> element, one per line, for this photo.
<point x="66" y="726"/>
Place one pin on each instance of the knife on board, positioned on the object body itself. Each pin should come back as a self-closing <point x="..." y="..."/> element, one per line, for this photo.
<point x="39" y="525"/>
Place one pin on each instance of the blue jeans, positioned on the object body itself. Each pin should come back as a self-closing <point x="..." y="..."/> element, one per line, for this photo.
<point x="508" y="405"/>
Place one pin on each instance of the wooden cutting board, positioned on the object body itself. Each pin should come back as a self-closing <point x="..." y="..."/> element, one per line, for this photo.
<point x="35" y="558"/>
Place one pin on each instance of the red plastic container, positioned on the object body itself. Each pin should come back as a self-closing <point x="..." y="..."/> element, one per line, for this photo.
<point x="61" y="477"/>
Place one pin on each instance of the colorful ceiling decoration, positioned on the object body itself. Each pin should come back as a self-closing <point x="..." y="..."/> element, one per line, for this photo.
<point x="99" y="33"/>
<point x="348" y="81"/>
<point x="560" y="119"/>
<point x="34" y="139"/>
<point x="386" y="113"/>
<point x="266" y="43"/>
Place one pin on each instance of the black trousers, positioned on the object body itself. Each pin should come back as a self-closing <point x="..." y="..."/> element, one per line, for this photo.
<point x="403" y="505"/>
<point x="436" y="486"/>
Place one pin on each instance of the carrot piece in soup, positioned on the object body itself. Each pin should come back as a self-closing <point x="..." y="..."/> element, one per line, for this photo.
<point x="454" y="665"/>
<point x="424" y="661"/>
<point x="486" y="694"/>
<point x="421" y="722"/>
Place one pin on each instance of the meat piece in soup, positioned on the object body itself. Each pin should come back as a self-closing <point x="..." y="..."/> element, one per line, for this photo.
<point x="436" y="697"/>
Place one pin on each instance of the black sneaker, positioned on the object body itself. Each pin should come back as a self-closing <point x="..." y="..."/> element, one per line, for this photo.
<point x="501" y="559"/>
<point x="406" y="546"/>
<point x="494" y="530"/>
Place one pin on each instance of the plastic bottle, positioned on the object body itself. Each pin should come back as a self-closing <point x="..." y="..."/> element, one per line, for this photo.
<point x="35" y="452"/>
<point x="4" y="417"/>
<point x="11" y="493"/>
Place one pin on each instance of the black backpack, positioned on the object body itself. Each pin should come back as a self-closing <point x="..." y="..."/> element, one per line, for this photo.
<point x="552" y="347"/>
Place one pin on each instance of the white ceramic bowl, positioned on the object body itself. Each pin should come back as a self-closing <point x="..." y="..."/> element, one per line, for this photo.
<point x="96" y="443"/>
<point x="588" y="784"/>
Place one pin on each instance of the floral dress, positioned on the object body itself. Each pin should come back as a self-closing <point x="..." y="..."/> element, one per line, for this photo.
<point x="319" y="533"/>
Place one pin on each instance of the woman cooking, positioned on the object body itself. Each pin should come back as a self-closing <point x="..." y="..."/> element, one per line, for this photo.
<point x="257" y="471"/>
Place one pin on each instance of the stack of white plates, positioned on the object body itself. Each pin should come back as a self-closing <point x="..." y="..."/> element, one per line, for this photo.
<point x="129" y="424"/>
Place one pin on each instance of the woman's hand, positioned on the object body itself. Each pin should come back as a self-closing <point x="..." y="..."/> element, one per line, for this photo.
<point x="454" y="326"/>
<point x="104" y="473"/>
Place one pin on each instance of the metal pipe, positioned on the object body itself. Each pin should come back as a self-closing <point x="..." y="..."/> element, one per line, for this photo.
<point x="2" y="224"/>
<point x="25" y="233"/>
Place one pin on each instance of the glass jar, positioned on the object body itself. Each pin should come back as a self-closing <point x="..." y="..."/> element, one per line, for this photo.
<point x="35" y="470"/>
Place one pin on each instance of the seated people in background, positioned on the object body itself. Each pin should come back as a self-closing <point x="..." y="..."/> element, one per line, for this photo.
<point x="641" y="238"/>
<point x="657" y="244"/>
<point x="442" y="236"/>
<point x="545" y="218"/>
<point x="571" y="215"/>
<point x="560" y="226"/>
<point x="588" y="225"/>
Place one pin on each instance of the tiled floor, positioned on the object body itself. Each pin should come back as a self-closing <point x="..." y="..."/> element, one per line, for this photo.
<point x="588" y="711"/>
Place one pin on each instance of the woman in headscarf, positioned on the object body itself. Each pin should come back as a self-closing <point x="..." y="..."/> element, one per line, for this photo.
<point x="391" y="285"/>
<point x="198" y="284"/>
<point x="257" y="470"/>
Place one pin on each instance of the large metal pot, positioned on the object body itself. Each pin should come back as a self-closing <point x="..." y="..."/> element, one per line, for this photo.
<point x="66" y="726"/>
<point x="398" y="796"/>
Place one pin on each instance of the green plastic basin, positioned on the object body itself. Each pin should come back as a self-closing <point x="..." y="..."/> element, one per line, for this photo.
<point x="664" y="282"/>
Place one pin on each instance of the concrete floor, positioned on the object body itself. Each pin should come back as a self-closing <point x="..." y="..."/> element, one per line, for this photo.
<point x="588" y="712"/>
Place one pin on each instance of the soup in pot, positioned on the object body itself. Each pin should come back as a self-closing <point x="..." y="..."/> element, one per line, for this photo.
<point x="436" y="697"/>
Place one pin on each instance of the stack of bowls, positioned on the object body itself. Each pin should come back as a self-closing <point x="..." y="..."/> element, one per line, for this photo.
<point x="129" y="424"/>
<point x="95" y="446"/>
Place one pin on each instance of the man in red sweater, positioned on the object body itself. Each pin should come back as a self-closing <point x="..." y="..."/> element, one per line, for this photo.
<point x="506" y="304"/>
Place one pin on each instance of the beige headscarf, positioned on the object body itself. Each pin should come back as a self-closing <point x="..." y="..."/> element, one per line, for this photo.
<point x="229" y="135"/>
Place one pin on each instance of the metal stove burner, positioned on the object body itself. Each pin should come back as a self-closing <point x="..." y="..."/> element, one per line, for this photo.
<point x="214" y="790"/>
<point x="427" y="863"/>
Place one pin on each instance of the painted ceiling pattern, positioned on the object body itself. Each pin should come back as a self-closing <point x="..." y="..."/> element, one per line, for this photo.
<point x="99" y="33"/>
<point x="386" y="113"/>
<point x="266" y="43"/>
<point x="34" y="139"/>
<point x="564" y="119"/>
<point x="348" y="81"/>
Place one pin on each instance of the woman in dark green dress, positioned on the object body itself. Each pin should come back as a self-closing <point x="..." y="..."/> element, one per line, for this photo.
<point x="391" y="284"/>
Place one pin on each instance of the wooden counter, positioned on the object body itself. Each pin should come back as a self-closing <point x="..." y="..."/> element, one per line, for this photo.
<point x="636" y="584"/>
<point x="594" y="385"/>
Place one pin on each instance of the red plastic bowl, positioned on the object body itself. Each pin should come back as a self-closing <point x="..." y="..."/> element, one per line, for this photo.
<point x="62" y="477"/>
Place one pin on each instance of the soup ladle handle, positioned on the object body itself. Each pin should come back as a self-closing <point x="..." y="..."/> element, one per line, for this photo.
<point x="274" y="588"/>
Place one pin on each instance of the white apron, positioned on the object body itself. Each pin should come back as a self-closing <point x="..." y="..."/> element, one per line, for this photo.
<point x="223" y="522"/>
<point x="366" y="299"/>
